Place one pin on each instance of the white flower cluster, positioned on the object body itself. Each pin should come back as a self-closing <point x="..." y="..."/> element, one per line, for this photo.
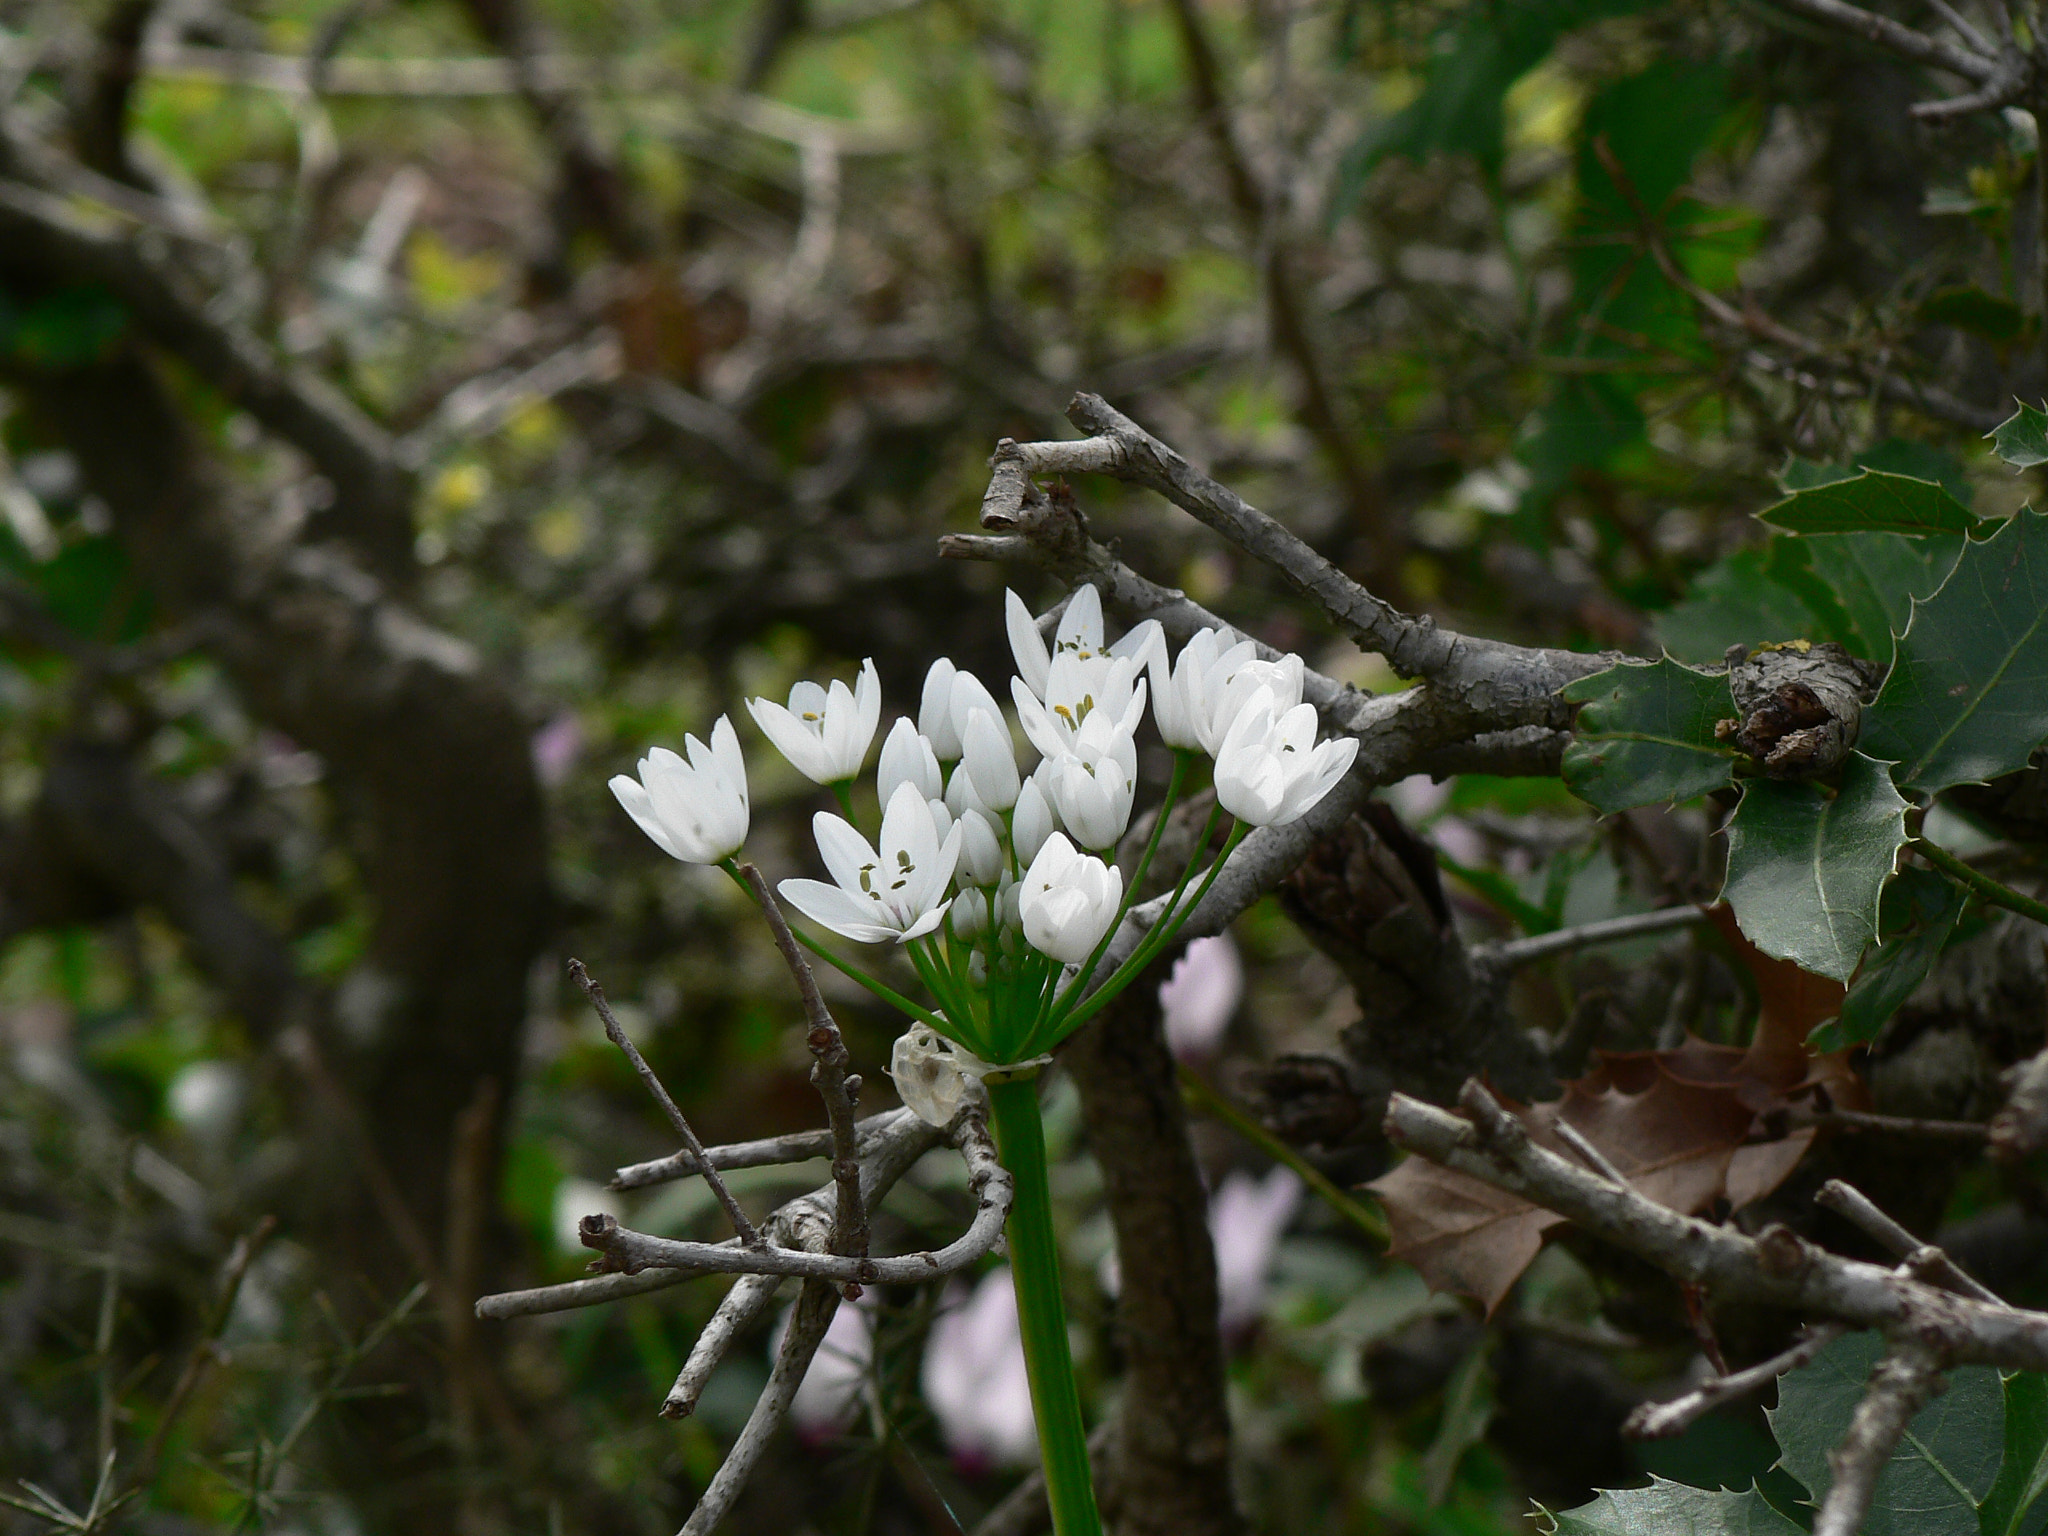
<point x="974" y="853"/>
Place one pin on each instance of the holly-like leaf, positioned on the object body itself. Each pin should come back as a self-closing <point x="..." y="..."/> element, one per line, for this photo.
<point x="1974" y="310"/>
<point x="1915" y="918"/>
<point x="1646" y="735"/>
<point x="1873" y="579"/>
<point x="1967" y="696"/>
<point x="1945" y="1465"/>
<point x="1805" y="867"/>
<point x="1753" y="596"/>
<point x="1673" y="1509"/>
<point x="1682" y="1125"/>
<point x="2022" y="438"/>
<point x="2013" y="1506"/>
<point x="1875" y="501"/>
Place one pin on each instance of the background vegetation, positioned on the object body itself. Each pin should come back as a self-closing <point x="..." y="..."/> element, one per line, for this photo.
<point x="413" y="409"/>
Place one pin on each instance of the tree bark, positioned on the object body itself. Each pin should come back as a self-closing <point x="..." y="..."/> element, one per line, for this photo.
<point x="1174" y="1477"/>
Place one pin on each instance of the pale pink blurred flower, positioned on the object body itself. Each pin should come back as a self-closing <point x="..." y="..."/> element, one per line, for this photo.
<point x="558" y="748"/>
<point x="974" y="1379"/>
<point x="1247" y="1218"/>
<point x="828" y="1399"/>
<point x="1201" y="996"/>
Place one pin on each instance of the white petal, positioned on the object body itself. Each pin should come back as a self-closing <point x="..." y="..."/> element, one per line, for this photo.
<point x="830" y="907"/>
<point x="1038" y="723"/>
<point x="1026" y="644"/>
<point x="907" y="758"/>
<point x="632" y="794"/>
<point x="1032" y="821"/>
<point x="790" y="736"/>
<point x="926" y="924"/>
<point x="1080" y="628"/>
<point x="845" y="852"/>
<point x="935" y="710"/>
<point x="867" y="699"/>
<point x="990" y="760"/>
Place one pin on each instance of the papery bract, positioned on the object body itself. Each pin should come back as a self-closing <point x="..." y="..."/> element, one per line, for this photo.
<point x="934" y="1076"/>
<point x="907" y="758"/>
<point x="1270" y="770"/>
<point x="1067" y="901"/>
<point x="896" y="892"/>
<point x="696" y="811"/>
<point x="825" y="733"/>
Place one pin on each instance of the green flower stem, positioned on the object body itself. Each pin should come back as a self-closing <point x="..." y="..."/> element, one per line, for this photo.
<point x="1199" y="1095"/>
<point x="1041" y="1313"/>
<point x="844" y="791"/>
<point x="1978" y="883"/>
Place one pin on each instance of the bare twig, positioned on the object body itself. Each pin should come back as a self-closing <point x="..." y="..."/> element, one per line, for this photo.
<point x="1776" y="1268"/>
<point x="1511" y="953"/>
<point x="1903" y="1380"/>
<point x="1895" y="1125"/>
<point x="890" y="1143"/>
<point x="1660" y="1421"/>
<point x="800" y="1341"/>
<point x="1595" y="1159"/>
<point x="204" y="1353"/>
<point x="796" y="1147"/>
<point x="829" y="1076"/>
<point x="630" y="1251"/>
<point x="1849" y="1202"/>
<point x="747" y="1300"/>
<point x="748" y="1236"/>
<point x="2021" y="1128"/>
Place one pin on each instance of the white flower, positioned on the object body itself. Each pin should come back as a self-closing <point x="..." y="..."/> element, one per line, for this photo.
<point x="1247" y="1218"/>
<point x="824" y="734"/>
<point x="1211" y="682"/>
<point x="1092" y="785"/>
<point x="1032" y="822"/>
<point x="969" y="914"/>
<point x="950" y="696"/>
<point x="1079" y="636"/>
<point x="1199" y="998"/>
<point x="934" y="1077"/>
<point x="1269" y="770"/>
<point x="1075" y="690"/>
<point x="895" y="893"/>
<point x="981" y="849"/>
<point x="907" y="758"/>
<point x="988" y="758"/>
<point x="974" y="1376"/>
<point x="695" y="811"/>
<point x="1068" y="900"/>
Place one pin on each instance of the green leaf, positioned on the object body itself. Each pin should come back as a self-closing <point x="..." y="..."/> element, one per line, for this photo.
<point x="2022" y="438"/>
<point x="1967" y="696"/>
<point x="1805" y="867"/>
<point x="1646" y="735"/>
<point x="1673" y="1509"/>
<point x="2023" y="1474"/>
<point x="1874" y="577"/>
<point x="1915" y="919"/>
<point x="1751" y="597"/>
<point x="1875" y="501"/>
<point x="1472" y="66"/>
<point x="1896" y="456"/>
<point x="1944" y="1467"/>
<point x="1974" y="310"/>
